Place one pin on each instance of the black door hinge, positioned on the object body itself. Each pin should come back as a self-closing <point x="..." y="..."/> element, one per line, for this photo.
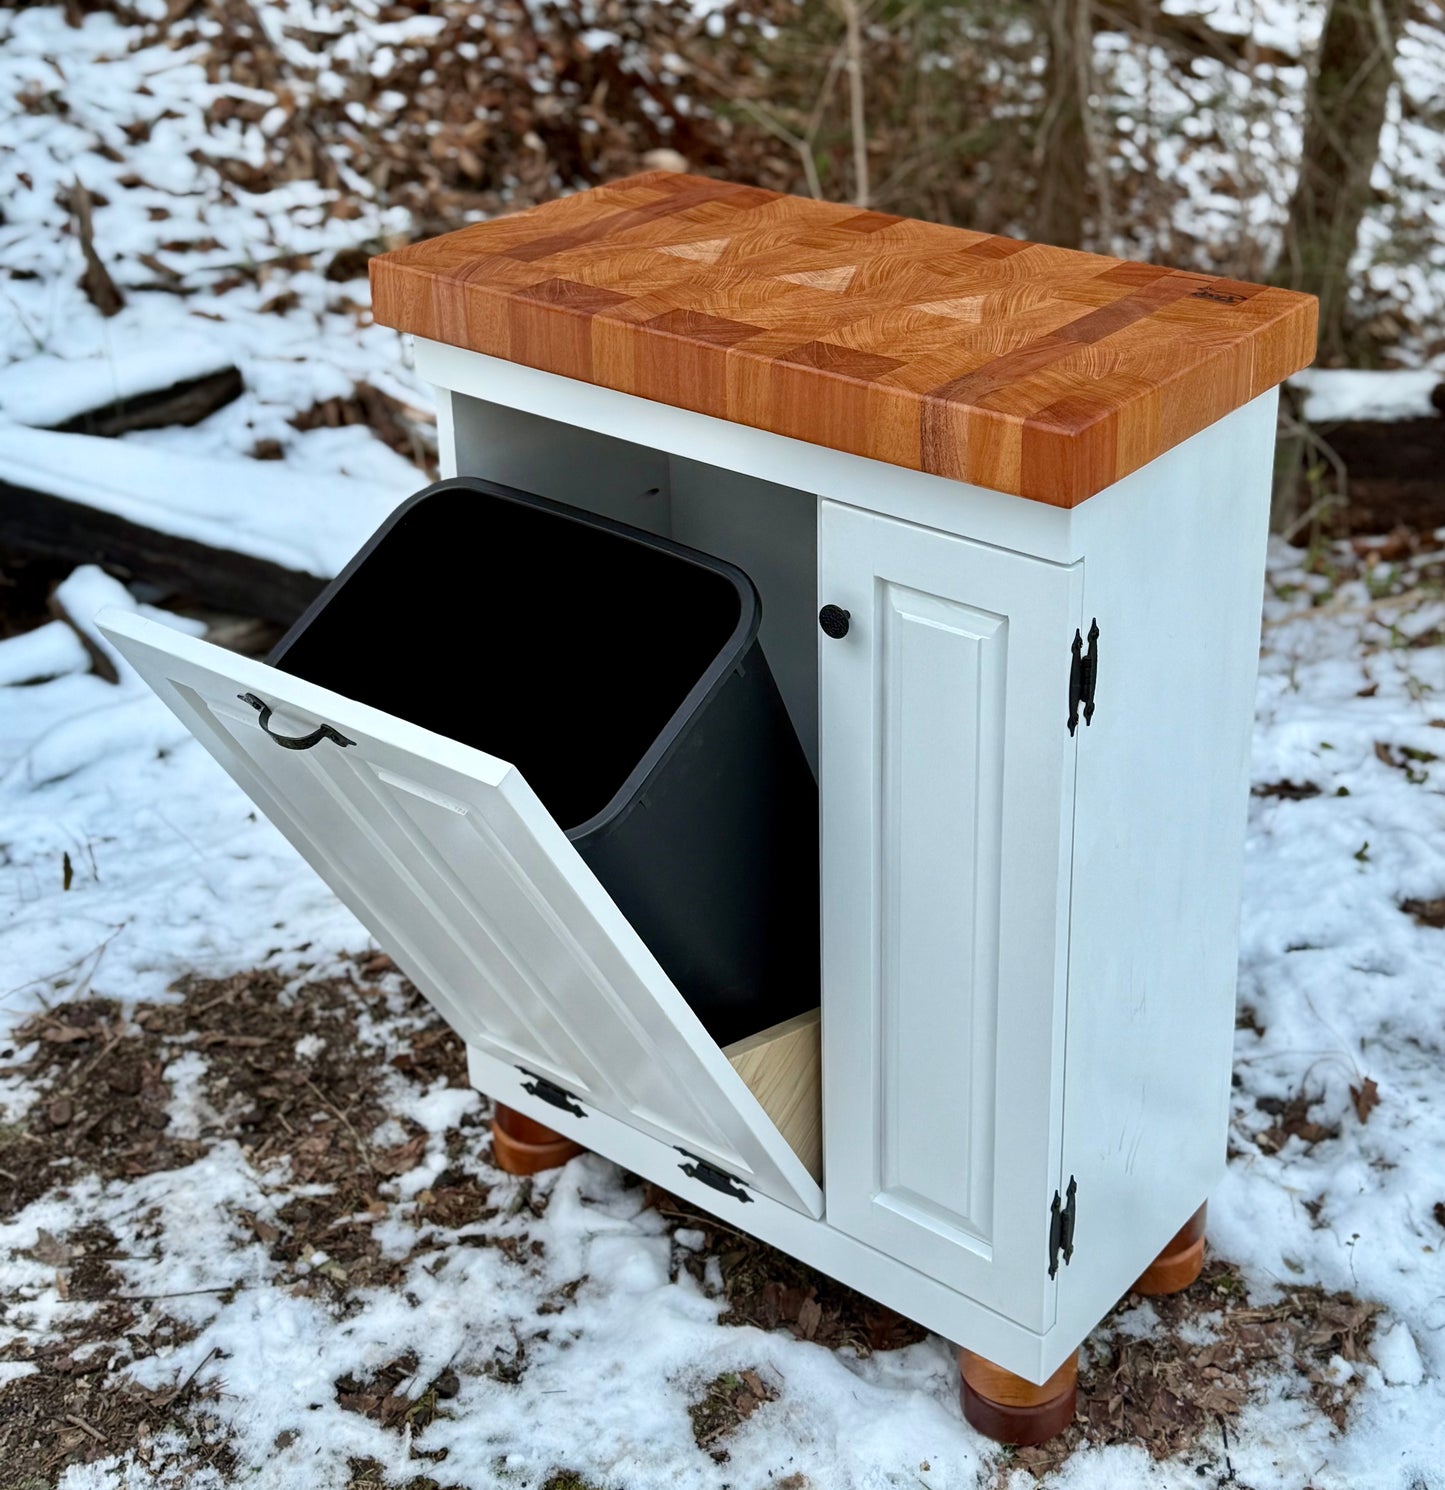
<point x="1083" y="674"/>
<point x="725" y="1184"/>
<point x="540" y="1087"/>
<point x="1061" y="1227"/>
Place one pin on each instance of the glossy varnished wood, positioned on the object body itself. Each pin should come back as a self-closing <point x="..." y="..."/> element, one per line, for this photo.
<point x="1012" y="1410"/>
<point x="1038" y="371"/>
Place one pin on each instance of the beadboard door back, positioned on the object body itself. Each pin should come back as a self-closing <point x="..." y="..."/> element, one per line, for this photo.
<point x="451" y="861"/>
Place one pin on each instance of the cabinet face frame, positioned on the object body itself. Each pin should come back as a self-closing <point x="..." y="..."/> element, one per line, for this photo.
<point x="947" y="807"/>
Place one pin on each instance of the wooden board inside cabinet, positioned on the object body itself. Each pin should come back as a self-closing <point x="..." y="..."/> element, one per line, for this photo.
<point x="783" y="1070"/>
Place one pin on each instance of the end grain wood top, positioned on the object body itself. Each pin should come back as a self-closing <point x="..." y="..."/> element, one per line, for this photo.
<point x="1033" y="370"/>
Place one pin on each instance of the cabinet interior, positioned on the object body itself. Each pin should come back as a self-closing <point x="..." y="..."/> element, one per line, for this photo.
<point x="771" y="533"/>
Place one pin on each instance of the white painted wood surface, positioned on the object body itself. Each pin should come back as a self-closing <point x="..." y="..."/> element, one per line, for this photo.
<point x="947" y="787"/>
<point x="771" y="533"/>
<point x="872" y="1272"/>
<point x="447" y="856"/>
<point x="593" y="470"/>
<point x="1175" y="573"/>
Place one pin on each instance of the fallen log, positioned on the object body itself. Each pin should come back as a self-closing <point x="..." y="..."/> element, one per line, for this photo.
<point x="35" y="522"/>
<point x="138" y="384"/>
<point x="186" y="402"/>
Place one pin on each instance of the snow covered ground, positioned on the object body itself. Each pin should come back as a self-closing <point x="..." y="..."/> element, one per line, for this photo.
<point x="249" y="1227"/>
<point x="570" y="1325"/>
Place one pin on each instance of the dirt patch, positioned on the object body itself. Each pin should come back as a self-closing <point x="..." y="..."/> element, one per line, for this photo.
<point x="727" y="1401"/>
<point x="79" y="1404"/>
<point x="102" y="1106"/>
<point x="1168" y="1392"/>
<point x="284" y="1071"/>
<point x="367" y="1474"/>
<point x="769" y="1289"/>
<point x="294" y="1074"/>
<point x="71" y="1414"/>
<point x="287" y="1076"/>
<point x="395" y="1398"/>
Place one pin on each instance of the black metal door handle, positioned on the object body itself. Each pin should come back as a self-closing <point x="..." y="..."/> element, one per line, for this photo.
<point x="834" y="620"/>
<point x="292" y="742"/>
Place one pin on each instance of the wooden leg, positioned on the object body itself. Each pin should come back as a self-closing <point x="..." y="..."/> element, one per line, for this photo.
<point x="1180" y="1263"/>
<point x="521" y="1145"/>
<point x="1008" y="1409"/>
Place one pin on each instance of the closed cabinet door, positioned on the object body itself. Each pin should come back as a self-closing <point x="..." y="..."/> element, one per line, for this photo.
<point x="947" y="792"/>
<point x="450" y="859"/>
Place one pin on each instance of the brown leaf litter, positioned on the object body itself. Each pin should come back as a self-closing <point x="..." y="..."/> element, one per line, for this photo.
<point x="102" y="1107"/>
<point x="1171" y="1394"/>
<point x="288" y="1075"/>
<point x="79" y="1404"/>
<point x="727" y="1401"/>
<point x="367" y="1474"/>
<point x="102" y="1104"/>
<point x="393" y="1397"/>
<point x="1292" y="1120"/>
<point x="1426" y="912"/>
<point x="769" y="1289"/>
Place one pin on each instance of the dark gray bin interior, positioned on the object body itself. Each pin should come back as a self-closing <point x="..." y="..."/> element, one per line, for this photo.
<point x="622" y="675"/>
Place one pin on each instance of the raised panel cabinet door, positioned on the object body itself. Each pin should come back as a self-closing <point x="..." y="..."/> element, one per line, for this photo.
<point x="448" y="857"/>
<point x="947" y="799"/>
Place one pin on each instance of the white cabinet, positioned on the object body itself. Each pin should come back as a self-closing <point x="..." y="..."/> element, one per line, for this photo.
<point x="1027" y="930"/>
<point x="1036" y="481"/>
<point x="947" y="790"/>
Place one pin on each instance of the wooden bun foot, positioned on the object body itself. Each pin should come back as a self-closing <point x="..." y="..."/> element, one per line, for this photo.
<point x="1180" y="1263"/>
<point x="1010" y="1410"/>
<point x="521" y="1145"/>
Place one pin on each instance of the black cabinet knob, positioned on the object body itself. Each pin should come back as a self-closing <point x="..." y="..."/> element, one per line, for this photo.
<point x="834" y="621"/>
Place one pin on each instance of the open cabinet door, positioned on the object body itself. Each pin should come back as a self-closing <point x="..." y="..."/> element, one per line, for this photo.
<point x="448" y="857"/>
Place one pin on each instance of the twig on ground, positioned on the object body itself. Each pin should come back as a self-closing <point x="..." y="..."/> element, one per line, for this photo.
<point x="185" y="1386"/>
<point x="362" y="1148"/>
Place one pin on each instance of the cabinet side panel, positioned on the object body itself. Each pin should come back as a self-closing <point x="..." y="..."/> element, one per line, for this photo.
<point x="942" y="691"/>
<point x="1174" y="573"/>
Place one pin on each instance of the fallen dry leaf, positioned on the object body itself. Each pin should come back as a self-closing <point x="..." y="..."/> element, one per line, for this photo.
<point x="50" y="1250"/>
<point x="402" y="1158"/>
<point x="1366" y="1098"/>
<point x="64" y="1034"/>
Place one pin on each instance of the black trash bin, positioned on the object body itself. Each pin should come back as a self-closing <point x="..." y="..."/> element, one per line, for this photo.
<point x="621" y="674"/>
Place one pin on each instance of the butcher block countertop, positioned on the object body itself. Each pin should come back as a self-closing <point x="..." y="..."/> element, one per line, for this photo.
<point x="1039" y="371"/>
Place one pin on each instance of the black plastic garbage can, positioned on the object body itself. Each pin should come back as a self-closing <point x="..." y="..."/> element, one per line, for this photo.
<point x="621" y="674"/>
